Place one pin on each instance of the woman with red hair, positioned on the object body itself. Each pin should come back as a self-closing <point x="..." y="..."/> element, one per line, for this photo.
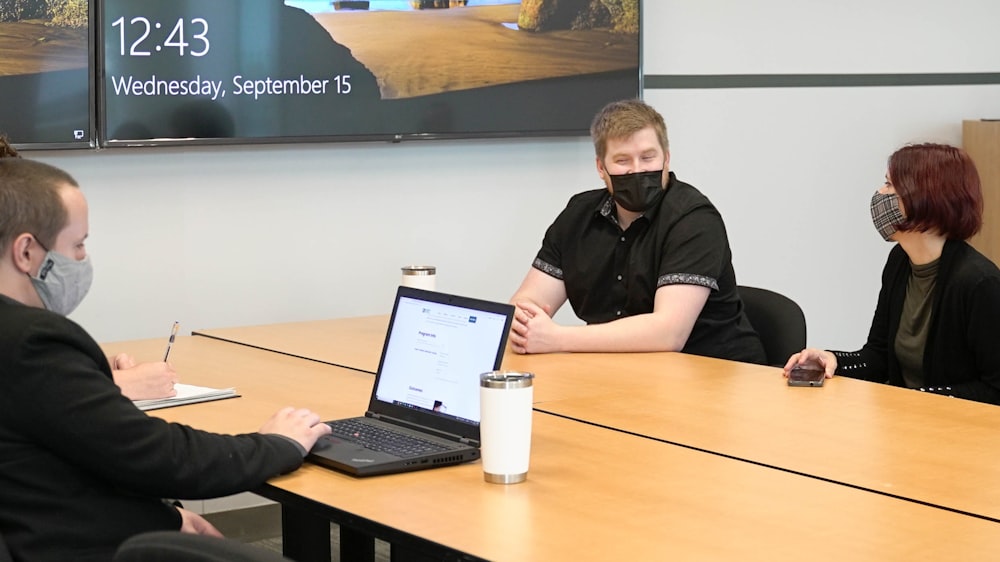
<point x="937" y="322"/>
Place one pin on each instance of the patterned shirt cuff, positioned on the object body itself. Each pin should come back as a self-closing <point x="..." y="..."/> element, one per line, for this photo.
<point x="548" y="268"/>
<point x="687" y="279"/>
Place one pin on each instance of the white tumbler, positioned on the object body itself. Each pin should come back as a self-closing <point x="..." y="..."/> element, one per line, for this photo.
<point x="505" y="400"/>
<point x="419" y="276"/>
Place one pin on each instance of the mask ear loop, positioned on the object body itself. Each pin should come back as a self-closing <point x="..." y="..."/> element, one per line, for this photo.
<point x="40" y="245"/>
<point x="39" y="242"/>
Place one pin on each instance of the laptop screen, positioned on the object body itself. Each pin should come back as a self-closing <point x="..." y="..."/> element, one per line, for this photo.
<point x="434" y="354"/>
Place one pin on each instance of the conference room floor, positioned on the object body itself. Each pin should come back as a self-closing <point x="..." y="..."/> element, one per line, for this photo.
<point x="260" y="526"/>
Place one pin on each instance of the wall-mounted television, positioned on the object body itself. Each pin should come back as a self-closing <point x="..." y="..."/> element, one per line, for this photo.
<point x="216" y="71"/>
<point x="46" y="73"/>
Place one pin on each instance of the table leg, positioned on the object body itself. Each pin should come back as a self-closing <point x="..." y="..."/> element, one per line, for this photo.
<point x="305" y="537"/>
<point x="356" y="545"/>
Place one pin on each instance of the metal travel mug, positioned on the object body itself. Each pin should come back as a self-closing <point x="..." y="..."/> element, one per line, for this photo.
<point x="505" y="399"/>
<point x="419" y="276"/>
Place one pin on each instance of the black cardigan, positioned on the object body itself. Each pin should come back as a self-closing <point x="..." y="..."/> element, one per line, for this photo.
<point x="962" y="352"/>
<point x="81" y="468"/>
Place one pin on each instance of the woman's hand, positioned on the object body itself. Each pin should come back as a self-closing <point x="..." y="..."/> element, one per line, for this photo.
<point x="815" y="358"/>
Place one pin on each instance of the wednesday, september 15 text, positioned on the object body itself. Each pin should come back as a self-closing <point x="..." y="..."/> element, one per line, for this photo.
<point x="198" y="86"/>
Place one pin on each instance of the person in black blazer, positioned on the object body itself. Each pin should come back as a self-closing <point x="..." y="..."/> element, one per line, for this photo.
<point x="81" y="468"/>
<point x="935" y="326"/>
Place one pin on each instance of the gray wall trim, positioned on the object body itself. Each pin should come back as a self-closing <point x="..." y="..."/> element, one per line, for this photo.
<point x="697" y="81"/>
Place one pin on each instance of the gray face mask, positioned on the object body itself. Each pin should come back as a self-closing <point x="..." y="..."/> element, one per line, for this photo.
<point x="62" y="282"/>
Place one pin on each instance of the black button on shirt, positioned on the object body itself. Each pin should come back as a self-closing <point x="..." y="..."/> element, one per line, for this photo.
<point x="609" y="273"/>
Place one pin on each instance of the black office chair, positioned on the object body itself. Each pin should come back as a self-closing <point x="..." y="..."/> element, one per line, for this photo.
<point x="174" y="546"/>
<point x="778" y="320"/>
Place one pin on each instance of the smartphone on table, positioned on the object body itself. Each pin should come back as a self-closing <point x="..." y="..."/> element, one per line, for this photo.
<point x="806" y="376"/>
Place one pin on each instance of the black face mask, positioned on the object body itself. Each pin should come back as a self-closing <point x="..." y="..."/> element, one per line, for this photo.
<point x="637" y="192"/>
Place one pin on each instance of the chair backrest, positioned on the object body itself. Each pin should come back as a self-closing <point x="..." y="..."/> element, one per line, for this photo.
<point x="174" y="546"/>
<point x="778" y="320"/>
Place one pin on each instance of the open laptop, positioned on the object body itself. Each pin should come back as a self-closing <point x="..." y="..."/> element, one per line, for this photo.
<point x="426" y="388"/>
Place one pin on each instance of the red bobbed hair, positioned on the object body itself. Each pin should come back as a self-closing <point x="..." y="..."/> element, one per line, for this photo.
<point x="940" y="189"/>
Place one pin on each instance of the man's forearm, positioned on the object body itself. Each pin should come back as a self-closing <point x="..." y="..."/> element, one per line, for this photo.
<point x="640" y="333"/>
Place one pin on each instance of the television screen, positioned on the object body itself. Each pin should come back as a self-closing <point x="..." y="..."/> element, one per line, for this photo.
<point x="46" y="73"/>
<point x="273" y="70"/>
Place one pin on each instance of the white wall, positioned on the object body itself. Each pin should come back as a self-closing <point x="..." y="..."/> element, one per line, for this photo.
<point x="793" y="171"/>
<point x="819" y="36"/>
<point x="230" y="236"/>
<point x="233" y="236"/>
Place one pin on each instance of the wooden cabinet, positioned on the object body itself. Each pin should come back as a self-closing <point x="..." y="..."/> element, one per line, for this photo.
<point x="981" y="139"/>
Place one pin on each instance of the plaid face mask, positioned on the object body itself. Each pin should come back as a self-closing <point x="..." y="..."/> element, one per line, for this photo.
<point x="886" y="214"/>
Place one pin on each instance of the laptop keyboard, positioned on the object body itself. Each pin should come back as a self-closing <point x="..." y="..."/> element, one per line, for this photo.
<point x="384" y="440"/>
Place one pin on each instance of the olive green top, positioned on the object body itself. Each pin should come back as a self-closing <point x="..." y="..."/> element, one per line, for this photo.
<point x="915" y="322"/>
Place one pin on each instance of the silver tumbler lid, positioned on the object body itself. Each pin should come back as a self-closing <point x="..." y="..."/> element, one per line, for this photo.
<point x="505" y="379"/>
<point x="419" y="270"/>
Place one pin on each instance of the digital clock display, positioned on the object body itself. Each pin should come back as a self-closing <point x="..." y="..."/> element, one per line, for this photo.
<point x="274" y="70"/>
<point x="135" y="36"/>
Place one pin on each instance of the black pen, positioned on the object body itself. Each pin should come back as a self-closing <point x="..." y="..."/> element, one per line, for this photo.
<point x="170" y="342"/>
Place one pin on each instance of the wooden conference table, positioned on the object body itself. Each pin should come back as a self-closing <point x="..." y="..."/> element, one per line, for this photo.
<point x="893" y="441"/>
<point x="592" y="493"/>
<point x="354" y="343"/>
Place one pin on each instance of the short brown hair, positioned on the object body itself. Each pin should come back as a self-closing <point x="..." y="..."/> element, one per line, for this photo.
<point x="940" y="189"/>
<point x="622" y="119"/>
<point x="29" y="198"/>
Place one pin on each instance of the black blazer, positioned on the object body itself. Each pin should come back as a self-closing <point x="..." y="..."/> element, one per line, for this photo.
<point x="81" y="468"/>
<point x="962" y="352"/>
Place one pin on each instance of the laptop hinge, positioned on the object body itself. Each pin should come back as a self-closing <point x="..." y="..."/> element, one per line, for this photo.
<point x="423" y="428"/>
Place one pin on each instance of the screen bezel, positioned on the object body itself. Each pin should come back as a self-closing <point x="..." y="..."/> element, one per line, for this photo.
<point x="102" y="140"/>
<point x="92" y="132"/>
<point x="422" y="418"/>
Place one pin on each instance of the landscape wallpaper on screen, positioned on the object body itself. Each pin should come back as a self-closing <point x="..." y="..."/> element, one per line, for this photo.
<point x="44" y="71"/>
<point x="262" y="69"/>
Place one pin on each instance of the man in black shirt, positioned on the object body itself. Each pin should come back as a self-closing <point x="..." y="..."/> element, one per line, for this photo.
<point x="645" y="262"/>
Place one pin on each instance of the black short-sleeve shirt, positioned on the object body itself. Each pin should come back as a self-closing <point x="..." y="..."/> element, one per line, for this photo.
<point x="610" y="273"/>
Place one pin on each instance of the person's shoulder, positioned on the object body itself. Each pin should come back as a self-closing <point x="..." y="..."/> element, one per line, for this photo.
<point x="19" y="321"/>
<point x="589" y="198"/>
<point x="581" y="206"/>
<point x="685" y="195"/>
<point x="684" y="202"/>
<point x="969" y="264"/>
<point x="13" y="311"/>
<point x="970" y="277"/>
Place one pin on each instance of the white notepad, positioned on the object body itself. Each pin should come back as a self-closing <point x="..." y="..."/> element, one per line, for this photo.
<point x="187" y="394"/>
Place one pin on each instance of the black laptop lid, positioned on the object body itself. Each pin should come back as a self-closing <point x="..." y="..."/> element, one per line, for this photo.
<point x="436" y="347"/>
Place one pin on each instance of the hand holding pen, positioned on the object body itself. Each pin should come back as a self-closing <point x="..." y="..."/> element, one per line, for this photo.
<point x="145" y="381"/>
<point x="170" y="342"/>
